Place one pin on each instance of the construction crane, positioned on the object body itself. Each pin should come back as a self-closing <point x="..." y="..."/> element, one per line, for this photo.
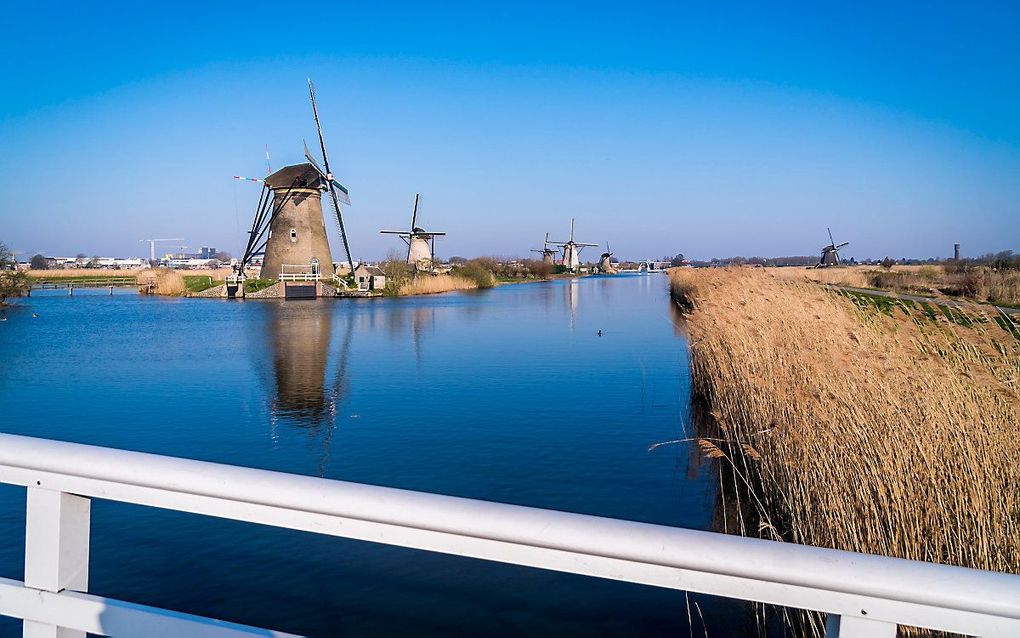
<point x="153" y="242"/>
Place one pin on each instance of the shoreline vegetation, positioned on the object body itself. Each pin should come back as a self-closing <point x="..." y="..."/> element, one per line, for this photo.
<point x="973" y="282"/>
<point x="834" y="421"/>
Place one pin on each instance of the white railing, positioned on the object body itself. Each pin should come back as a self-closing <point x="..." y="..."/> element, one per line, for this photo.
<point x="300" y="276"/>
<point x="864" y="596"/>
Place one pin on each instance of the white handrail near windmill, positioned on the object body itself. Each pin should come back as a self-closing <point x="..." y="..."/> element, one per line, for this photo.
<point x="830" y="253"/>
<point x="571" y="250"/>
<point x="421" y="243"/>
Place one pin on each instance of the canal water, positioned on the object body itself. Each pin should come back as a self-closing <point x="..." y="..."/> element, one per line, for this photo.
<point x="506" y="395"/>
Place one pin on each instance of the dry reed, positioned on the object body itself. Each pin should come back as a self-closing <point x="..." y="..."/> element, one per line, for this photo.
<point x="840" y="426"/>
<point x="432" y="284"/>
<point x="980" y="283"/>
<point x="162" y="281"/>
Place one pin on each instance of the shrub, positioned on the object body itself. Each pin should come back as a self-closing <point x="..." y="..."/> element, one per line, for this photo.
<point x="476" y="272"/>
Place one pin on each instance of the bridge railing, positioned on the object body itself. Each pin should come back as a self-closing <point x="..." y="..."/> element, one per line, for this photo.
<point x="863" y="596"/>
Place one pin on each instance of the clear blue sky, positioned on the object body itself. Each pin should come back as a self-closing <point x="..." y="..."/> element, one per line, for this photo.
<point x="712" y="130"/>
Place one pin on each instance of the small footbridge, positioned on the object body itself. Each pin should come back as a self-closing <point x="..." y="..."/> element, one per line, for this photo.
<point x="863" y="596"/>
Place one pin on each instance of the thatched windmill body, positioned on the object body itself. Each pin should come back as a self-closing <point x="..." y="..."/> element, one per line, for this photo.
<point x="830" y="253"/>
<point x="421" y="243"/>
<point x="571" y="250"/>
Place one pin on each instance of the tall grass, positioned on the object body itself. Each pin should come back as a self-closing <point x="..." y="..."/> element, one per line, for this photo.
<point x="432" y="284"/>
<point x="980" y="283"/>
<point x="162" y="281"/>
<point x="841" y="426"/>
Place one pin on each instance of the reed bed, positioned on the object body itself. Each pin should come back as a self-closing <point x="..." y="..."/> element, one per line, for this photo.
<point x="433" y="284"/>
<point x="980" y="283"/>
<point x="82" y="273"/>
<point x="162" y="281"/>
<point x="836" y="424"/>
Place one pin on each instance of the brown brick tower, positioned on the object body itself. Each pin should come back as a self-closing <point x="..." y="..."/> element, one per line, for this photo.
<point x="297" y="237"/>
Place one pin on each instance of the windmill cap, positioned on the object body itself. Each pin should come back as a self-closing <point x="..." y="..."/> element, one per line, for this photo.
<point x="297" y="175"/>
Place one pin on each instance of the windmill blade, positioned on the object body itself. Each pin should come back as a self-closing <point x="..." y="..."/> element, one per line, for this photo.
<point x="414" y="211"/>
<point x="432" y="233"/>
<point x="577" y="243"/>
<point x="846" y="243"/>
<point x="395" y="232"/>
<point x="311" y="160"/>
<point x="414" y="218"/>
<point x="832" y="242"/>
<point x="329" y="176"/>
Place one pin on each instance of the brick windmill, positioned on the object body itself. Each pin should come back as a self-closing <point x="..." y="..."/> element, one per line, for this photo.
<point x="547" y="253"/>
<point x="830" y="253"/>
<point x="289" y="230"/>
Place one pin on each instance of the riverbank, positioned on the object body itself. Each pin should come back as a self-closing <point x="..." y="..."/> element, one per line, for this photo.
<point x="970" y="282"/>
<point x="839" y="423"/>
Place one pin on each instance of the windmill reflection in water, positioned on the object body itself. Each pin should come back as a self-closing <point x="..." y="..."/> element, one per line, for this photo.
<point x="305" y="395"/>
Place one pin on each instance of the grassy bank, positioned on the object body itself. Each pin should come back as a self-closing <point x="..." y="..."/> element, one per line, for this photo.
<point x="976" y="282"/>
<point x="840" y="423"/>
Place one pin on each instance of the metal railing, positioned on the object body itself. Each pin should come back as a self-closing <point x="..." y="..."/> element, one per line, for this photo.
<point x="864" y="596"/>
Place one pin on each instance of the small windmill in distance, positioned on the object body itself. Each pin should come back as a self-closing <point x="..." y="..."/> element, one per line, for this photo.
<point x="421" y="243"/>
<point x="571" y="250"/>
<point x="606" y="262"/>
<point x="830" y="253"/>
<point x="547" y="253"/>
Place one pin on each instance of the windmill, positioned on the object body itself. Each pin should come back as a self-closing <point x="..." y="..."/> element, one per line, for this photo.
<point x="288" y="229"/>
<point x="571" y="250"/>
<point x="830" y="253"/>
<point x="606" y="262"/>
<point x="547" y="253"/>
<point x="421" y="243"/>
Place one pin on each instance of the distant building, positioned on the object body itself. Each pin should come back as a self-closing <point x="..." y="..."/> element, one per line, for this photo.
<point x="369" y="277"/>
<point x="207" y="253"/>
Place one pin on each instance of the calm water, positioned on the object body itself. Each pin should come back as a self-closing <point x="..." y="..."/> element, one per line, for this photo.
<point x="506" y="395"/>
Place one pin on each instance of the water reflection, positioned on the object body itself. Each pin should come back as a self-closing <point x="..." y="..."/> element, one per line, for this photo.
<point x="571" y="292"/>
<point x="305" y="395"/>
<point x="299" y="336"/>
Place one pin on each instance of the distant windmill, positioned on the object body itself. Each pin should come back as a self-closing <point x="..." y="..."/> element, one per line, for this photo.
<point x="571" y="250"/>
<point x="606" y="262"/>
<point x="547" y="253"/>
<point x="830" y="253"/>
<point x="421" y="243"/>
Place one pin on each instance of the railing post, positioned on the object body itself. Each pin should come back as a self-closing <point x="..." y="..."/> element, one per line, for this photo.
<point x="56" y="550"/>
<point x="855" y="627"/>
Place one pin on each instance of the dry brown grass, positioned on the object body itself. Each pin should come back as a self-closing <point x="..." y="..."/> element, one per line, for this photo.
<point x="840" y="426"/>
<point x="96" y="273"/>
<point x="432" y="284"/>
<point x="979" y="283"/>
<point x="162" y="281"/>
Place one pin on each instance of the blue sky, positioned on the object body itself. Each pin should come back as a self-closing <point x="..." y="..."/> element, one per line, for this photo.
<point x="711" y="130"/>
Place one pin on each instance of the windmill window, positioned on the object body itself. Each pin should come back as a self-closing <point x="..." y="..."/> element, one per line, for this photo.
<point x="293" y="234"/>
